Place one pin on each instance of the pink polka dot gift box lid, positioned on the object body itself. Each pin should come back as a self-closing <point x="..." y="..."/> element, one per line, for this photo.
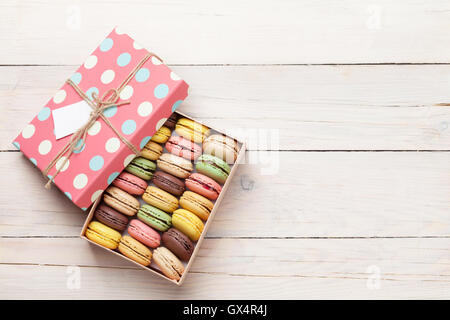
<point x="143" y="103"/>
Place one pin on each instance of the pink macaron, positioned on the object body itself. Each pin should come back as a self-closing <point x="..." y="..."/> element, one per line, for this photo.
<point x="203" y="185"/>
<point x="143" y="233"/>
<point x="130" y="183"/>
<point x="182" y="147"/>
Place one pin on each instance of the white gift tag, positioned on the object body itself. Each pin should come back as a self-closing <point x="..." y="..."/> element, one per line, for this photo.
<point x="69" y="119"/>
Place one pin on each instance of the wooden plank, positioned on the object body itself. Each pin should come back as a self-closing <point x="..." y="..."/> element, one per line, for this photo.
<point x="372" y="214"/>
<point x="301" y="107"/>
<point x="295" y="194"/>
<point x="249" y="32"/>
<point x="322" y="268"/>
<point x="49" y="282"/>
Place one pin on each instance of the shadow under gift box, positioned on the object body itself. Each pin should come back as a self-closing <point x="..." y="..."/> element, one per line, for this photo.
<point x="152" y="268"/>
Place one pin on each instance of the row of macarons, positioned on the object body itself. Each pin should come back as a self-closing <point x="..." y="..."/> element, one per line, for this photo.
<point x="169" y="249"/>
<point x="185" y="225"/>
<point x="211" y="158"/>
<point x="179" y="230"/>
<point x="175" y="165"/>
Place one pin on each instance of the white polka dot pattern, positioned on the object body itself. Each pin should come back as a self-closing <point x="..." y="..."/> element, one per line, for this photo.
<point x="152" y="94"/>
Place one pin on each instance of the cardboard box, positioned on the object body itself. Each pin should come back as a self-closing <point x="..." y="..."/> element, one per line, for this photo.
<point x="144" y="92"/>
<point x="153" y="268"/>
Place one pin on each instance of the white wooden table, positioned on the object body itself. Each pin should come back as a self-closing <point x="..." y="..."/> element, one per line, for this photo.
<point x="355" y="200"/>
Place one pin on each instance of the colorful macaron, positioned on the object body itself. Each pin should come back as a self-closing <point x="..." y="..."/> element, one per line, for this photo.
<point x="168" y="263"/>
<point x="160" y="199"/>
<point x="144" y="234"/>
<point x="134" y="250"/>
<point x="178" y="243"/>
<point x="171" y="122"/>
<point x="203" y="185"/>
<point x="177" y="166"/>
<point x="154" y="217"/>
<point x="130" y="183"/>
<point x="152" y="150"/>
<point x="169" y="183"/>
<point x="110" y="217"/>
<point x="121" y="201"/>
<point x="188" y="223"/>
<point x="103" y="235"/>
<point x="192" y="130"/>
<point x="161" y="135"/>
<point x="213" y="167"/>
<point x="222" y="147"/>
<point x="196" y="204"/>
<point x="141" y="167"/>
<point x="182" y="147"/>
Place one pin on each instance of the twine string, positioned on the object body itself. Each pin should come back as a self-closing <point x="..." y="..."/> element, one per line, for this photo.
<point x="98" y="104"/>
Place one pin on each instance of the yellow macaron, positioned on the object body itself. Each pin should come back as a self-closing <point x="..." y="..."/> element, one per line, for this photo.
<point x="162" y="135"/>
<point x="188" y="223"/>
<point x="103" y="235"/>
<point x="152" y="151"/>
<point x="192" y="130"/>
<point x="160" y="199"/>
<point x="136" y="251"/>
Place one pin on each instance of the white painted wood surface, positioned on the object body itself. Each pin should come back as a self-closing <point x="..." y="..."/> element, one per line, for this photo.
<point x="388" y="107"/>
<point x="236" y="268"/>
<point x="313" y="194"/>
<point x="346" y="209"/>
<point x="248" y="32"/>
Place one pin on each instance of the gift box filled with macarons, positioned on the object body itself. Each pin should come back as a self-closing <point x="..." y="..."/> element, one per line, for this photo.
<point x="112" y="141"/>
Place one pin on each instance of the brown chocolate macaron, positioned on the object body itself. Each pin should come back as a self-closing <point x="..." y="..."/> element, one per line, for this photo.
<point x="111" y="217"/>
<point x="169" y="183"/>
<point x="178" y="243"/>
<point x="171" y="122"/>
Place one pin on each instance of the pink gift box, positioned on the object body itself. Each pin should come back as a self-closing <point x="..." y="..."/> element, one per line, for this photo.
<point x="154" y="93"/>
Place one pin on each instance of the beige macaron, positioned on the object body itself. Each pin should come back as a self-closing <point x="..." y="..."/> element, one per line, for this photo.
<point x="169" y="264"/>
<point x="222" y="147"/>
<point x="121" y="201"/>
<point x="177" y="166"/>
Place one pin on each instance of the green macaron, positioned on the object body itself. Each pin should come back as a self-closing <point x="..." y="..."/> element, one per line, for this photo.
<point x="142" y="168"/>
<point x="213" y="167"/>
<point x="154" y="217"/>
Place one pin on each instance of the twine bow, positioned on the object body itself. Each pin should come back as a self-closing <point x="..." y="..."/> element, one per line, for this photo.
<point x="98" y="104"/>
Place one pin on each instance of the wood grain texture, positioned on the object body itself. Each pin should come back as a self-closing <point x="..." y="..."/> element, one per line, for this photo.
<point x="313" y="194"/>
<point x="242" y="32"/>
<point x="282" y="107"/>
<point x="325" y="217"/>
<point x="404" y="268"/>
